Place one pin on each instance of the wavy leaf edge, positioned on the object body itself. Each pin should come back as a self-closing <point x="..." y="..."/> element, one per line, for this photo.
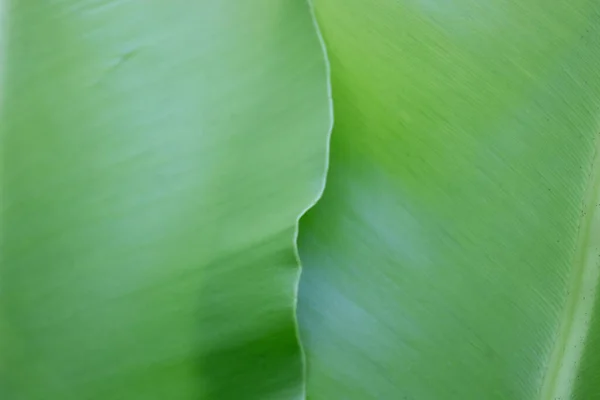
<point x="319" y="193"/>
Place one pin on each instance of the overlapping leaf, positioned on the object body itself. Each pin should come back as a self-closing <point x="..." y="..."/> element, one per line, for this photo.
<point x="156" y="156"/>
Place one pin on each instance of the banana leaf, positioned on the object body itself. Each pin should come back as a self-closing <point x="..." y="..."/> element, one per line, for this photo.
<point x="156" y="156"/>
<point x="455" y="252"/>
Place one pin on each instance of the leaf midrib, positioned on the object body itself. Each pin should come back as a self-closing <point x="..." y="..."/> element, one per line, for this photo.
<point x="575" y="322"/>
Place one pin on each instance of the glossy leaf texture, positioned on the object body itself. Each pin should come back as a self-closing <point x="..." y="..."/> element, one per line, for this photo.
<point x="454" y="254"/>
<point x="156" y="156"/>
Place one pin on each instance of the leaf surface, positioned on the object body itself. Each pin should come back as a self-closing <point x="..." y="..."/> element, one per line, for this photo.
<point x="155" y="158"/>
<point x="455" y="252"/>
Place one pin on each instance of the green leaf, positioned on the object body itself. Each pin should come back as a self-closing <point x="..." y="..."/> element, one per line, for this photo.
<point x="455" y="252"/>
<point x="156" y="156"/>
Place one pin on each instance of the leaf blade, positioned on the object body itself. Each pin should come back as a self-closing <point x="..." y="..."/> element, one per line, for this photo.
<point x="438" y="263"/>
<point x="156" y="159"/>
